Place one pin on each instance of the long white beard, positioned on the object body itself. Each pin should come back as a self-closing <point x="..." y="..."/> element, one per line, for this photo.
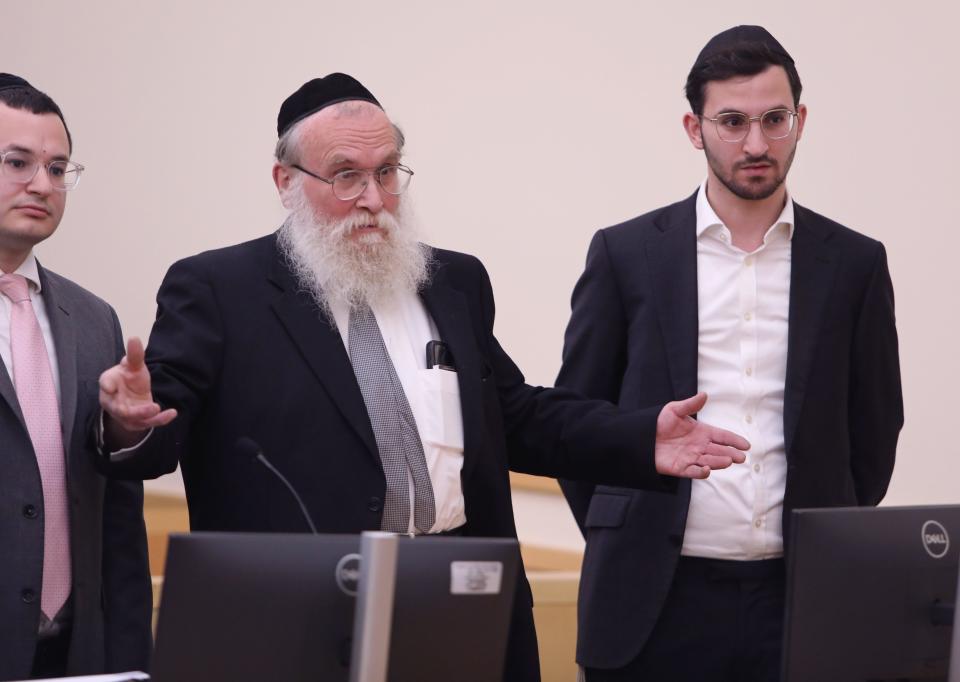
<point x="338" y="269"/>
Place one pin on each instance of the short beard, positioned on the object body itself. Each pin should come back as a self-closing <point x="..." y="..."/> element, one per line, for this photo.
<point x="754" y="191"/>
<point x="339" y="270"/>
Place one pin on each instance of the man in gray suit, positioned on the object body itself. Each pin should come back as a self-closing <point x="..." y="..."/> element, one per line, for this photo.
<point x="75" y="592"/>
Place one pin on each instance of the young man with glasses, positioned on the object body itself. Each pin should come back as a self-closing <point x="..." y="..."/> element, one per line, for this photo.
<point x="785" y="319"/>
<point x="75" y="594"/>
<point x="364" y="365"/>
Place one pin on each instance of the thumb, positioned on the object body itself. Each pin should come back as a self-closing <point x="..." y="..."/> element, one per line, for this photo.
<point x="134" y="354"/>
<point x="690" y="406"/>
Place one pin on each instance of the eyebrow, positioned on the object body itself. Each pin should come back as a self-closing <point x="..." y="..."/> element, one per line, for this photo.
<point x="27" y="150"/>
<point x="342" y="160"/>
<point x="737" y="111"/>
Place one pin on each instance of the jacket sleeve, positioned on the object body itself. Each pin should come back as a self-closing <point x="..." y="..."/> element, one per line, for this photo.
<point x="594" y="348"/>
<point x="557" y="432"/>
<point x="876" y="399"/>
<point x="184" y="356"/>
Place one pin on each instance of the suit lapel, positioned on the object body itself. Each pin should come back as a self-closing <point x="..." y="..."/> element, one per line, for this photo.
<point x="672" y="263"/>
<point x="322" y="348"/>
<point x="10" y="394"/>
<point x="64" y="332"/>
<point x="448" y="308"/>
<point x="812" y="271"/>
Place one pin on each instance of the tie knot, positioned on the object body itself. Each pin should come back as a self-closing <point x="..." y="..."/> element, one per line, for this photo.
<point x="14" y="287"/>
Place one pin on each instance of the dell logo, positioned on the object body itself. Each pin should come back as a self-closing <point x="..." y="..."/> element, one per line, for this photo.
<point x="935" y="539"/>
<point x="348" y="574"/>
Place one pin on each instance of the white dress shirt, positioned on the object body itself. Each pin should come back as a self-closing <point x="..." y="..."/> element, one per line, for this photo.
<point x="743" y="302"/>
<point x="434" y="398"/>
<point x="29" y="270"/>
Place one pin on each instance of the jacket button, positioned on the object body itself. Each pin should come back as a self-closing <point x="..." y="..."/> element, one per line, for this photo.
<point x="30" y="511"/>
<point x="28" y="596"/>
<point x="374" y="504"/>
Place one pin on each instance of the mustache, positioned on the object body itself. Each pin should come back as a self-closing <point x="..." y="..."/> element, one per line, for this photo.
<point x="354" y="221"/>
<point x="753" y="160"/>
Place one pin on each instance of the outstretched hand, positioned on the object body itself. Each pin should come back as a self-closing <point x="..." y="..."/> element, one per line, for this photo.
<point x="125" y="394"/>
<point x="688" y="448"/>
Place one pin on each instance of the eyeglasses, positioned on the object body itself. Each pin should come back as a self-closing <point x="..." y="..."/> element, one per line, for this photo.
<point x="22" y="167"/>
<point x="350" y="183"/>
<point x="733" y="126"/>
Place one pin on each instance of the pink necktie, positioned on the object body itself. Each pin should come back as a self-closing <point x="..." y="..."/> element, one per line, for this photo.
<point x="33" y="381"/>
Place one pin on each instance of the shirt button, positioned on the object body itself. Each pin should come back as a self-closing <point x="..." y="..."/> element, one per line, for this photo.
<point x="749" y="371"/>
<point x="747" y="316"/>
<point x="748" y="419"/>
<point x="748" y="262"/>
<point x="756" y="467"/>
<point x="758" y="523"/>
<point x="30" y="511"/>
<point x="373" y="504"/>
<point x="28" y="596"/>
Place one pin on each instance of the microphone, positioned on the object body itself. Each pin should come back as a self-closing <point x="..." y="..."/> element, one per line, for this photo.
<point x="247" y="447"/>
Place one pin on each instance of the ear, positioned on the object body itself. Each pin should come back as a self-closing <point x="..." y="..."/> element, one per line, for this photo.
<point x="801" y="119"/>
<point x="694" y="129"/>
<point x="282" y="179"/>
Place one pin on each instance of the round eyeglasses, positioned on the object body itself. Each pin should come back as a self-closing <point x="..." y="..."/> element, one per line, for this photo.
<point x="732" y="126"/>
<point x="350" y="183"/>
<point x="22" y="167"/>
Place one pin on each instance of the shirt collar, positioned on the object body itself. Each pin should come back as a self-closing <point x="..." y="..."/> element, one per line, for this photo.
<point x="707" y="218"/>
<point x="30" y="270"/>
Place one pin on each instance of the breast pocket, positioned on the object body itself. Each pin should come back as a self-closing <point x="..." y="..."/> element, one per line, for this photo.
<point x="443" y="419"/>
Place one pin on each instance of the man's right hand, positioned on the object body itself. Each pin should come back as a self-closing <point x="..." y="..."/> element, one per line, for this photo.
<point x="127" y="400"/>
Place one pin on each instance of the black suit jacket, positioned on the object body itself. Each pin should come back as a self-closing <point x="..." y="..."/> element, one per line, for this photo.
<point x="632" y="339"/>
<point x="240" y="350"/>
<point x="111" y="592"/>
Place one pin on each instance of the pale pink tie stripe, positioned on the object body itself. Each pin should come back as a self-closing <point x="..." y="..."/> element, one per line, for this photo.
<point x="33" y="381"/>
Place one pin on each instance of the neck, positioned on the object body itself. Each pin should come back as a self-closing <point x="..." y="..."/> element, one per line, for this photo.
<point x="747" y="219"/>
<point x="11" y="260"/>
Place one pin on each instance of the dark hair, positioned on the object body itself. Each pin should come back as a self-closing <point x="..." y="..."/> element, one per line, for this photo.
<point x="28" y="98"/>
<point x="744" y="59"/>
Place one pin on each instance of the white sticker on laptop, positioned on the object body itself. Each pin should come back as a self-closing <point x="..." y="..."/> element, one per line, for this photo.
<point x="475" y="577"/>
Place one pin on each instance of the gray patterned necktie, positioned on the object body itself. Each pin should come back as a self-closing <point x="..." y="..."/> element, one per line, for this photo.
<point x="393" y="427"/>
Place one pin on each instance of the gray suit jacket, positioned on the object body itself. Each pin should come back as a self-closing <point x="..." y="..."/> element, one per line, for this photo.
<point x="111" y="593"/>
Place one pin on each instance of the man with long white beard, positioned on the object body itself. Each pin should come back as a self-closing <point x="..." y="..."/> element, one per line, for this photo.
<point x="364" y="364"/>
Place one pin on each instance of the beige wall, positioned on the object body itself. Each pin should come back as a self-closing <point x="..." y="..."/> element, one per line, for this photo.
<point x="530" y="125"/>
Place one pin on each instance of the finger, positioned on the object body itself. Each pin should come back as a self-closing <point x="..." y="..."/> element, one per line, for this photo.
<point x="134" y="358"/>
<point x="695" y="471"/>
<point x="690" y="406"/>
<point x="130" y="414"/>
<point x="724" y="437"/>
<point x="725" y="452"/>
<point x="108" y="382"/>
<point x="137" y="423"/>
<point x="715" y="462"/>
<point x="161" y="419"/>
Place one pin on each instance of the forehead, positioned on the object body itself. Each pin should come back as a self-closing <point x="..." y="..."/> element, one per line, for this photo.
<point x="42" y="134"/>
<point x="749" y="94"/>
<point x="354" y="132"/>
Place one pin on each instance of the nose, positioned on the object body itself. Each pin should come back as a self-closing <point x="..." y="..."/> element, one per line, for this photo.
<point x="755" y="143"/>
<point x="371" y="198"/>
<point x="40" y="182"/>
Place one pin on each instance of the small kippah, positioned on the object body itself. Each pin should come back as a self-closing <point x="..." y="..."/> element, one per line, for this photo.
<point x="318" y="94"/>
<point x="740" y="35"/>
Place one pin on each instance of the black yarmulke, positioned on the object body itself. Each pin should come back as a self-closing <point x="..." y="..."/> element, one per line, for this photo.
<point x="318" y="94"/>
<point x="8" y="80"/>
<point x="737" y="36"/>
